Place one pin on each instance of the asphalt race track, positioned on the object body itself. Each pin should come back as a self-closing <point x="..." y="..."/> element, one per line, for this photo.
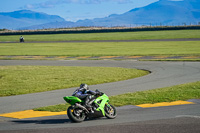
<point x="182" y="118"/>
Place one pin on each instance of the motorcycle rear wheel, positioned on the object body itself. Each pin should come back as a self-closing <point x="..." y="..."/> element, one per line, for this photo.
<point x="76" y="115"/>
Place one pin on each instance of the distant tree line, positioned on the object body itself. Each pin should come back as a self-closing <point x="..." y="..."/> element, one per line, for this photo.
<point x="96" y="30"/>
<point x="3" y="30"/>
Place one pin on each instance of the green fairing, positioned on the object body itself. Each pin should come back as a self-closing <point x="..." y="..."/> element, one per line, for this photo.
<point x="104" y="101"/>
<point x="78" y="111"/>
<point x="72" y="100"/>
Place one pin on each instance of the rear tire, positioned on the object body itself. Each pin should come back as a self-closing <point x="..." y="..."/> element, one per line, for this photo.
<point x="75" y="115"/>
<point x="110" y="111"/>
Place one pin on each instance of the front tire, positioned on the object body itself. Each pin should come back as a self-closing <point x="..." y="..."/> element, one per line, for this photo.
<point x="75" y="114"/>
<point x="110" y="111"/>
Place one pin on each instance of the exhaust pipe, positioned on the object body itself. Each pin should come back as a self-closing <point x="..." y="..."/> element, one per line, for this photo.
<point x="82" y="107"/>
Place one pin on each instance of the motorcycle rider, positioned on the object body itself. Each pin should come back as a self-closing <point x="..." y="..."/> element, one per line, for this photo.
<point x="84" y="93"/>
<point x="21" y="39"/>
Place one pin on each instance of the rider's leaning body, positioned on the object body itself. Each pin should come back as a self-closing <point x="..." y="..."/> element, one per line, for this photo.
<point x="84" y="94"/>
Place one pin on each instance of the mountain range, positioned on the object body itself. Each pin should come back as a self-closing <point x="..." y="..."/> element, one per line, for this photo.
<point x="25" y="18"/>
<point x="162" y="12"/>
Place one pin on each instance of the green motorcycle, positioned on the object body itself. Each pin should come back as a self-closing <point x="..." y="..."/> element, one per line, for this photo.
<point x="77" y="112"/>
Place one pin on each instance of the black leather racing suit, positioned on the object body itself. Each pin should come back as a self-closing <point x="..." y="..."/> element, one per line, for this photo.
<point x="84" y="94"/>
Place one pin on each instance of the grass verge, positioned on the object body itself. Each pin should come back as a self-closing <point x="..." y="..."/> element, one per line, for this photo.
<point x="192" y="60"/>
<point x="170" y="34"/>
<point x="167" y="94"/>
<point x="16" y="80"/>
<point x="176" y="48"/>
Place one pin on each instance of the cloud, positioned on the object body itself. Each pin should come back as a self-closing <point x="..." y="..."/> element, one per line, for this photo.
<point x="53" y="3"/>
<point x="176" y="0"/>
<point x="100" y="1"/>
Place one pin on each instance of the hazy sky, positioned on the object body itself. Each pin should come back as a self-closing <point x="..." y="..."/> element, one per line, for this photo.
<point x="73" y="10"/>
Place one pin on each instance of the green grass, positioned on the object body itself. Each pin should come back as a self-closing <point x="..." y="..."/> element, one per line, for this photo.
<point x="16" y="80"/>
<point x="171" y="34"/>
<point x="193" y="60"/>
<point x="102" y="48"/>
<point x="167" y="94"/>
<point x="54" y="108"/>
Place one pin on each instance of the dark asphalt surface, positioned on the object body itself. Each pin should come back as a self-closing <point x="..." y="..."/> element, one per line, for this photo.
<point x="175" y="125"/>
<point x="174" y="119"/>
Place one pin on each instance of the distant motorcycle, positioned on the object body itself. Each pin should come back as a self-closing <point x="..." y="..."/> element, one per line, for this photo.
<point x="77" y="112"/>
<point x="21" y="39"/>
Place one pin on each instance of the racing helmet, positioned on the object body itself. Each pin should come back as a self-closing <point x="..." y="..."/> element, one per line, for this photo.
<point x="85" y="86"/>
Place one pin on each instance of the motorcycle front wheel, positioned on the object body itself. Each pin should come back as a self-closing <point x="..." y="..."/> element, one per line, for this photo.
<point x="110" y="111"/>
<point x="76" y="114"/>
